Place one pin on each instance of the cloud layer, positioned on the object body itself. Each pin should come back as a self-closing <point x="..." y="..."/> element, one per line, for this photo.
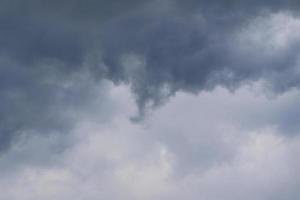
<point x="161" y="99"/>
<point x="176" y="154"/>
<point x="162" y="54"/>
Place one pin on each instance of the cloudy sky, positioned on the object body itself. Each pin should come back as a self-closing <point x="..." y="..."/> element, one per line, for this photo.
<point x="149" y="99"/>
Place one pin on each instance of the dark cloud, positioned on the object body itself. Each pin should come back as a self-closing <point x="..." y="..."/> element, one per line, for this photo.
<point x="55" y="58"/>
<point x="157" y="49"/>
<point x="63" y="30"/>
<point x="238" y="5"/>
<point x="42" y="71"/>
<point x="36" y="100"/>
<point x="196" y="52"/>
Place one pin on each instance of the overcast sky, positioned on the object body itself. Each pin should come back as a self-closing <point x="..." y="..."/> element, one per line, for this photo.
<point x="149" y="99"/>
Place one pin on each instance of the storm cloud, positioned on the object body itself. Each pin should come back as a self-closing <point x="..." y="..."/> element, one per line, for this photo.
<point x="161" y="54"/>
<point x="157" y="47"/>
<point x="141" y="99"/>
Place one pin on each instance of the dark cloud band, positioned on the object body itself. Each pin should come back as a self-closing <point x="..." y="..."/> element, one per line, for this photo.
<point x="156" y="49"/>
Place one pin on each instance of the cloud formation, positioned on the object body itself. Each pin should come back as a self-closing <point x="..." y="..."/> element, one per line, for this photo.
<point x="73" y="73"/>
<point x="184" y="157"/>
<point x="162" y="54"/>
<point x="157" y="47"/>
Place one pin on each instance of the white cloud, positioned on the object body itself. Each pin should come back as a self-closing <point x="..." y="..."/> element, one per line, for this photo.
<point x="195" y="147"/>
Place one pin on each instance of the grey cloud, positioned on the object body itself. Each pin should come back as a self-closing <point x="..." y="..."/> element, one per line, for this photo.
<point x="238" y="5"/>
<point x="158" y="51"/>
<point x="194" y="53"/>
<point x="43" y="74"/>
<point x="52" y="54"/>
<point x="42" y="99"/>
<point x="63" y="30"/>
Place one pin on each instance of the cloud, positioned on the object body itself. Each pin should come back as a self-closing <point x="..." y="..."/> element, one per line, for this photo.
<point x="162" y="54"/>
<point x="160" y="51"/>
<point x="44" y="56"/>
<point x="183" y="157"/>
<point x="73" y="73"/>
<point x="42" y="99"/>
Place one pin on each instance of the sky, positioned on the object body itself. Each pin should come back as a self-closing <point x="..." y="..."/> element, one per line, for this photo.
<point x="149" y="99"/>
